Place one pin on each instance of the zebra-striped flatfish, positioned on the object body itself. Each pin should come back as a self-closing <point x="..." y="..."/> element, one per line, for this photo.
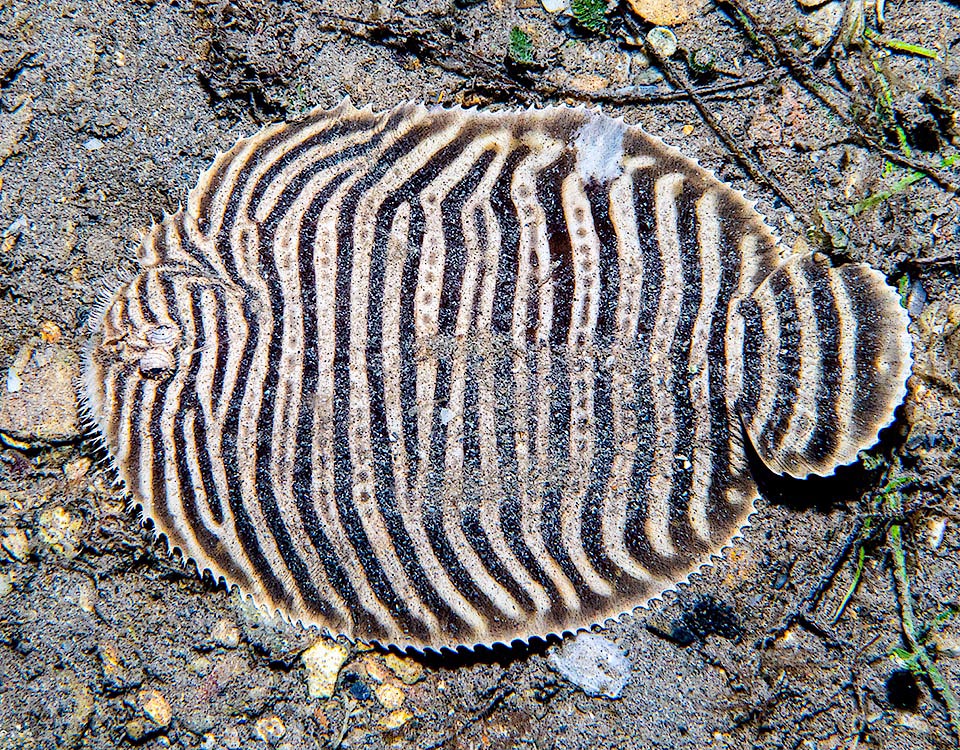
<point x="440" y="377"/>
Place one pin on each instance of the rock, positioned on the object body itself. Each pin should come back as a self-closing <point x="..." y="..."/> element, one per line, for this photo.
<point x="280" y="641"/>
<point x="555" y="6"/>
<point x="375" y="670"/>
<point x="136" y="730"/>
<point x="155" y="708"/>
<point x="323" y="661"/>
<point x="231" y="738"/>
<point x="817" y="27"/>
<point x="663" y="42"/>
<point x="270" y="729"/>
<point x="594" y="664"/>
<point x="59" y="529"/>
<point x="14" y="124"/>
<point x="225" y="634"/>
<point x="50" y="332"/>
<point x="396" y="719"/>
<point x="118" y="675"/>
<point x="37" y="401"/>
<point x="667" y="12"/>
<point x="14" y="542"/>
<point x="408" y="670"/>
<point x="74" y="471"/>
<point x="6" y="583"/>
<point x="390" y="695"/>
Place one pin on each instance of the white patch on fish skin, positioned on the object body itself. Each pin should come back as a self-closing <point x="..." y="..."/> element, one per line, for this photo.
<point x="599" y="145"/>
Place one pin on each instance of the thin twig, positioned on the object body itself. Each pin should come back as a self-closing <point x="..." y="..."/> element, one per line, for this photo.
<point x="833" y="98"/>
<point x="487" y="74"/>
<point x="678" y="78"/>
<point x="801" y="613"/>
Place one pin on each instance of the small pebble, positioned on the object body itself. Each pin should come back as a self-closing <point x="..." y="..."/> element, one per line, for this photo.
<point x="663" y="42"/>
<point x="59" y="529"/>
<point x="226" y="634"/>
<point x="408" y="670"/>
<point x="555" y="6"/>
<point x="6" y="583"/>
<point x="74" y="471"/>
<point x="50" y="332"/>
<point x="39" y="402"/>
<point x="231" y="738"/>
<point x="374" y="669"/>
<point x="936" y="528"/>
<point x="666" y="12"/>
<point x="155" y="708"/>
<point x="270" y="729"/>
<point x="594" y="664"/>
<point x="323" y="661"/>
<point x="14" y="542"/>
<point x="390" y="695"/>
<point x="93" y="144"/>
<point x="396" y="719"/>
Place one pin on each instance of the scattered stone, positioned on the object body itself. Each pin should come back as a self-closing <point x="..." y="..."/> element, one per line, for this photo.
<point x="282" y="642"/>
<point x="594" y="664"/>
<point x="155" y="708"/>
<point x="936" y="528"/>
<point x="946" y="643"/>
<point x="390" y="695"/>
<point x="93" y="144"/>
<point x="59" y="530"/>
<point x="225" y="634"/>
<point x="197" y="722"/>
<point x="323" y="661"/>
<point x="50" y="332"/>
<point x="663" y="42"/>
<point x="818" y="27"/>
<point x="375" y="670"/>
<point x="39" y="402"/>
<point x="74" y="471"/>
<point x="667" y="12"/>
<point x="270" y="729"/>
<point x="396" y="719"/>
<point x="118" y="675"/>
<point x="136" y="730"/>
<point x="6" y="583"/>
<point x="201" y="666"/>
<point x="555" y="6"/>
<point x="231" y="738"/>
<point x="14" y="542"/>
<point x="87" y="597"/>
<point x="408" y="670"/>
<point x="13" y="127"/>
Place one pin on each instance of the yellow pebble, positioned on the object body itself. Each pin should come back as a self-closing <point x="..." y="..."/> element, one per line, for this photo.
<point x="408" y="670"/>
<point x="50" y="332"/>
<point x="396" y="719"/>
<point x="155" y="707"/>
<point x="687" y="130"/>
<point x="390" y="695"/>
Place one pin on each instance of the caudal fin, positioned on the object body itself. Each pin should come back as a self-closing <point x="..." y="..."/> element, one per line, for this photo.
<point x="826" y="358"/>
